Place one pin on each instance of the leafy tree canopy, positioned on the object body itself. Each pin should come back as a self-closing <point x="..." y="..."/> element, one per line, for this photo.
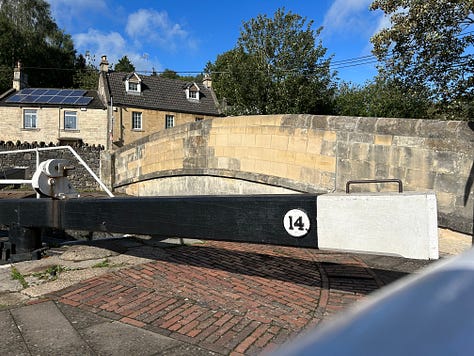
<point x="170" y="74"/>
<point x="382" y="97"/>
<point x="29" y="34"/>
<point x="86" y="74"/>
<point x="430" y="43"/>
<point x="124" y="65"/>
<point x="277" y="66"/>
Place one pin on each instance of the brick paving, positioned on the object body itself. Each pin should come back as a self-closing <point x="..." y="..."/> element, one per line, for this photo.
<point x="229" y="298"/>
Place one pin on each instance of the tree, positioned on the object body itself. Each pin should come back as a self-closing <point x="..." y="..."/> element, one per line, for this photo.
<point x="382" y="97"/>
<point x="170" y="74"/>
<point x="237" y="80"/>
<point x="86" y="74"/>
<point x="124" y="65"/>
<point x="428" y="44"/>
<point x="277" y="66"/>
<point x="29" y="34"/>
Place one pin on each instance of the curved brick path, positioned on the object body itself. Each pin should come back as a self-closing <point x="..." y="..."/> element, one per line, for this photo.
<point x="229" y="297"/>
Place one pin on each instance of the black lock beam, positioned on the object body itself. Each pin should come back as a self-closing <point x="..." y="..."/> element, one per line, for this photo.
<point x="288" y="219"/>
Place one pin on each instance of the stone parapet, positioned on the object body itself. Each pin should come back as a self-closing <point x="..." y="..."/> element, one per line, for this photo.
<point x="308" y="153"/>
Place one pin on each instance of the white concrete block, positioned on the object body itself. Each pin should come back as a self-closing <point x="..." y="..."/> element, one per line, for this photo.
<point x="402" y="224"/>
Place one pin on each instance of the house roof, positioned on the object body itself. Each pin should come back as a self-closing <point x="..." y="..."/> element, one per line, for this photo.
<point x="49" y="97"/>
<point x="158" y="93"/>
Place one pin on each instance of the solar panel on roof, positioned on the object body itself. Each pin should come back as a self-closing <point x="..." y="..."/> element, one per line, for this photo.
<point x="34" y="98"/>
<point x="27" y="91"/>
<point x="39" y="91"/>
<point x="84" y="100"/>
<point x="14" y="99"/>
<point x="56" y="100"/>
<point x="69" y="100"/>
<point x="65" y="92"/>
<point x="51" y="96"/>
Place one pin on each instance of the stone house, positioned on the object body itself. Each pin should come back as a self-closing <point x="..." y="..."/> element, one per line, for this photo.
<point x="126" y="107"/>
<point x="58" y="116"/>
<point x="140" y="105"/>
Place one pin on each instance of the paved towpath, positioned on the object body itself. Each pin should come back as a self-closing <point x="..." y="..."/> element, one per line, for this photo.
<point x="141" y="296"/>
<point x="145" y="297"/>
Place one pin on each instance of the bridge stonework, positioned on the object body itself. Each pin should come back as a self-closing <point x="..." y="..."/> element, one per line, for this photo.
<point x="302" y="153"/>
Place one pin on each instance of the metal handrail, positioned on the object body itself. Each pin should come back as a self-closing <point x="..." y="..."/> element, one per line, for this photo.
<point x="372" y="181"/>
<point x="37" y="150"/>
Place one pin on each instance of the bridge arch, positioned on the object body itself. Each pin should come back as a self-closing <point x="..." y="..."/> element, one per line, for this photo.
<point x="302" y="153"/>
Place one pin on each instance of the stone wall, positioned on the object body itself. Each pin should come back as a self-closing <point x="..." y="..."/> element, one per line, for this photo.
<point x="80" y="178"/>
<point x="305" y="153"/>
<point x="91" y="125"/>
<point x="152" y="121"/>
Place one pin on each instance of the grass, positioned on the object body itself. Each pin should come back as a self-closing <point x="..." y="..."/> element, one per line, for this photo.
<point x="103" y="264"/>
<point x="16" y="275"/>
<point x="51" y="273"/>
<point x="106" y="263"/>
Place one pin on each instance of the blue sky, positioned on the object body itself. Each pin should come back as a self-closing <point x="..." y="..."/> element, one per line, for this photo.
<point x="184" y="36"/>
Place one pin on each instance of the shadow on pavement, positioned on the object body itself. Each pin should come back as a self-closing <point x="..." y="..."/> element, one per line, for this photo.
<point x="347" y="272"/>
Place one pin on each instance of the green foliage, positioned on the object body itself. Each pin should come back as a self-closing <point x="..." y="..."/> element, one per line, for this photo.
<point x="124" y="65"/>
<point x="429" y="43"/>
<point x="6" y="77"/>
<point x="382" y="98"/>
<point x="51" y="273"/>
<point x="107" y="263"/>
<point x="170" y="74"/>
<point x="192" y="78"/>
<point x="86" y="75"/>
<point x="16" y="275"/>
<point x="276" y="67"/>
<point x="103" y="264"/>
<point x="29" y="34"/>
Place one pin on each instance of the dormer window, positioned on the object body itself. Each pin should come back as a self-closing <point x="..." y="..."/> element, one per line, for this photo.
<point x="133" y="84"/>
<point x="133" y="87"/>
<point x="192" y="92"/>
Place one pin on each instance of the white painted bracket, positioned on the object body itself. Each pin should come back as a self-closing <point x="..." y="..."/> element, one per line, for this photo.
<point x="50" y="179"/>
<point x="401" y="224"/>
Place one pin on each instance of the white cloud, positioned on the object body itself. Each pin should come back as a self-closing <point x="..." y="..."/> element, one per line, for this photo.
<point x="114" y="46"/>
<point x="67" y="11"/>
<point x="99" y="42"/>
<point x="102" y="29"/>
<point x="150" y="26"/>
<point x="348" y="16"/>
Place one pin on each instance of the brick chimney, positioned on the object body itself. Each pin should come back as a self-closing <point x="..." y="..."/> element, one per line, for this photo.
<point x="207" y="81"/>
<point x="104" y="64"/>
<point x="20" y="79"/>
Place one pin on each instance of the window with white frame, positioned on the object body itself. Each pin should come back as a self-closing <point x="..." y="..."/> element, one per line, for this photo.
<point x="30" y="119"/>
<point x="133" y="87"/>
<point x="169" y="121"/>
<point x="133" y="84"/>
<point x="192" y="92"/>
<point x="70" y="120"/>
<point x="136" y="120"/>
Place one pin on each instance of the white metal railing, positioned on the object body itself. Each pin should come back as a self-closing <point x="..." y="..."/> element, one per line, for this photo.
<point x="37" y="150"/>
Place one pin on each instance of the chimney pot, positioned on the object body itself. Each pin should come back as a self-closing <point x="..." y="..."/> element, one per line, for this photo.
<point x="104" y="64"/>
<point x="19" y="78"/>
<point x="207" y="81"/>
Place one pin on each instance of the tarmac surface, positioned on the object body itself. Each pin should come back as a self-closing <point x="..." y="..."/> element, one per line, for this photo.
<point x="142" y="296"/>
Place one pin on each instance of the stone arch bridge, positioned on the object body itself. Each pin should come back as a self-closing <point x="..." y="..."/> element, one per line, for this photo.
<point x="302" y="153"/>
